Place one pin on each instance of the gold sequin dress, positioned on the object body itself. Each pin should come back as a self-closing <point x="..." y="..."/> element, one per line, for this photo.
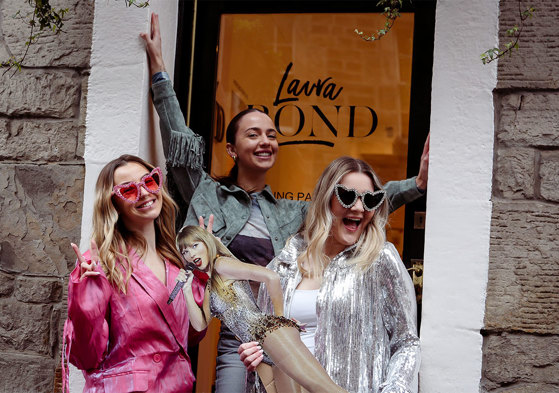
<point x="237" y="309"/>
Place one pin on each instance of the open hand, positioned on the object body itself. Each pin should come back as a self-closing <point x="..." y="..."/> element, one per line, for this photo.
<point x="153" y="46"/>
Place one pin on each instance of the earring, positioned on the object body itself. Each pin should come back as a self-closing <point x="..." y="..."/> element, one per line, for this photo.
<point x="234" y="158"/>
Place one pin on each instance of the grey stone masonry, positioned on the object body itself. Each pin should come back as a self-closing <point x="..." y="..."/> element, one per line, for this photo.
<point x="549" y="171"/>
<point x="536" y="64"/>
<point x="68" y="50"/>
<point x="531" y="365"/>
<point x="42" y="130"/>
<point x="523" y="287"/>
<point x="40" y="93"/>
<point x="27" y="373"/>
<point x="528" y="118"/>
<point x="521" y="334"/>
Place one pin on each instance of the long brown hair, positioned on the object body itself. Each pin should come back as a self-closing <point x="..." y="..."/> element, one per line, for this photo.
<point x="112" y="236"/>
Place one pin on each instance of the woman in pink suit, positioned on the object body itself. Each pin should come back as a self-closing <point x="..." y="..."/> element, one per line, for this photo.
<point x="120" y="330"/>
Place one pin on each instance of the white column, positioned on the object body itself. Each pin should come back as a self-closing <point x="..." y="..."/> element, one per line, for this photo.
<point x="119" y="118"/>
<point x="459" y="200"/>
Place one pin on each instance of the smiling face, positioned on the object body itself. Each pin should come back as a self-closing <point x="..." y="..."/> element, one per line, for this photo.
<point x="349" y="224"/>
<point x="148" y="206"/>
<point x="256" y="147"/>
<point x="196" y="253"/>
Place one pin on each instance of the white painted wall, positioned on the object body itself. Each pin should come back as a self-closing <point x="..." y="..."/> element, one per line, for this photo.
<point x="119" y="114"/>
<point x="459" y="199"/>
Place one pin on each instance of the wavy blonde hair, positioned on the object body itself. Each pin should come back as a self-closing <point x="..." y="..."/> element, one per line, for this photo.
<point x="112" y="236"/>
<point x="191" y="234"/>
<point x="318" y="222"/>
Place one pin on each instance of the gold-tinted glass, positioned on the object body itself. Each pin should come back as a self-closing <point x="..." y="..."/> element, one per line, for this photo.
<point x="329" y="92"/>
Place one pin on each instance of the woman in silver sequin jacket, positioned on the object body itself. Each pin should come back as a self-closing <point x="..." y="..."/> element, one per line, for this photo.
<point x="366" y="336"/>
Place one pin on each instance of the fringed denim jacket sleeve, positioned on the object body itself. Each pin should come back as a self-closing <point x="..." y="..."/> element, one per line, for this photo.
<point x="184" y="149"/>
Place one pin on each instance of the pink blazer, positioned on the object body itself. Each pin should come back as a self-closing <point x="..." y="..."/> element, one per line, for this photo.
<point x="134" y="341"/>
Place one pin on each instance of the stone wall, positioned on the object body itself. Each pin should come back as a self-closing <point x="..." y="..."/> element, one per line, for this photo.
<point x="521" y="344"/>
<point x="42" y="129"/>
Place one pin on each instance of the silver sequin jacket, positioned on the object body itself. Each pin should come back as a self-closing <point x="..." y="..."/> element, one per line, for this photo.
<point x="367" y="336"/>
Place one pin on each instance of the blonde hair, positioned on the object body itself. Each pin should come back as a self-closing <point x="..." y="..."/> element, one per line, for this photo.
<point x="191" y="234"/>
<point x="112" y="236"/>
<point x="318" y="222"/>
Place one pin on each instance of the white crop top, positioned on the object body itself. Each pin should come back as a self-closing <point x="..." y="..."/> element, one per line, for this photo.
<point x="303" y="309"/>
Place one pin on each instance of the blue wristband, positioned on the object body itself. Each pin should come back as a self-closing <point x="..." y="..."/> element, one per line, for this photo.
<point x="159" y="76"/>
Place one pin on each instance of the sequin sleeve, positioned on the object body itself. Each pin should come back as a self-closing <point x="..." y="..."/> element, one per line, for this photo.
<point x="399" y="313"/>
<point x="184" y="149"/>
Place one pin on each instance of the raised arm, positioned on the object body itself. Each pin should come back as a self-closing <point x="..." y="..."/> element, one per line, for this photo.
<point x="230" y="268"/>
<point x="405" y="191"/>
<point x="184" y="150"/>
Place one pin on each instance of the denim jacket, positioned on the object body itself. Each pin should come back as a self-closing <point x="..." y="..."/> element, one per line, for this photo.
<point x="201" y="195"/>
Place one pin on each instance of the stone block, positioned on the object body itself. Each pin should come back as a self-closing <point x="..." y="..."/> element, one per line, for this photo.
<point x="6" y="284"/>
<point x="515" y="173"/>
<point x="58" y="317"/>
<point x="523" y="282"/>
<point x="69" y="48"/>
<point x="528" y="119"/>
<point x="22" y="373"/>
<point x="40" y="206"/>
<point x="41" y="93"/>
<point x="4" y="53"/>
<point x="4" y="128"/>
<point x="524" y="388"/>
<point x="520" y="363"/>
<point x="549" y="175"/>
<point x="25" y="327"/>
<point x="536" y="64"/>
<point x="40" y="140"/>
<point x="38" y="290"/>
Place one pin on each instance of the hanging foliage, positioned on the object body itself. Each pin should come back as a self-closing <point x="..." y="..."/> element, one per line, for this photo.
<point x="42" y="18"/>
<point x="391" y="13"/>
<point x="514" y="32"/>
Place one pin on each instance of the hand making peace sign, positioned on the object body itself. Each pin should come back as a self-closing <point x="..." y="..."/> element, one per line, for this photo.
<point x="88" y="269"/>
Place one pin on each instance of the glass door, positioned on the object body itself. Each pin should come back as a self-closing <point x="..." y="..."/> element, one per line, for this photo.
<point x="329" y="93"/>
